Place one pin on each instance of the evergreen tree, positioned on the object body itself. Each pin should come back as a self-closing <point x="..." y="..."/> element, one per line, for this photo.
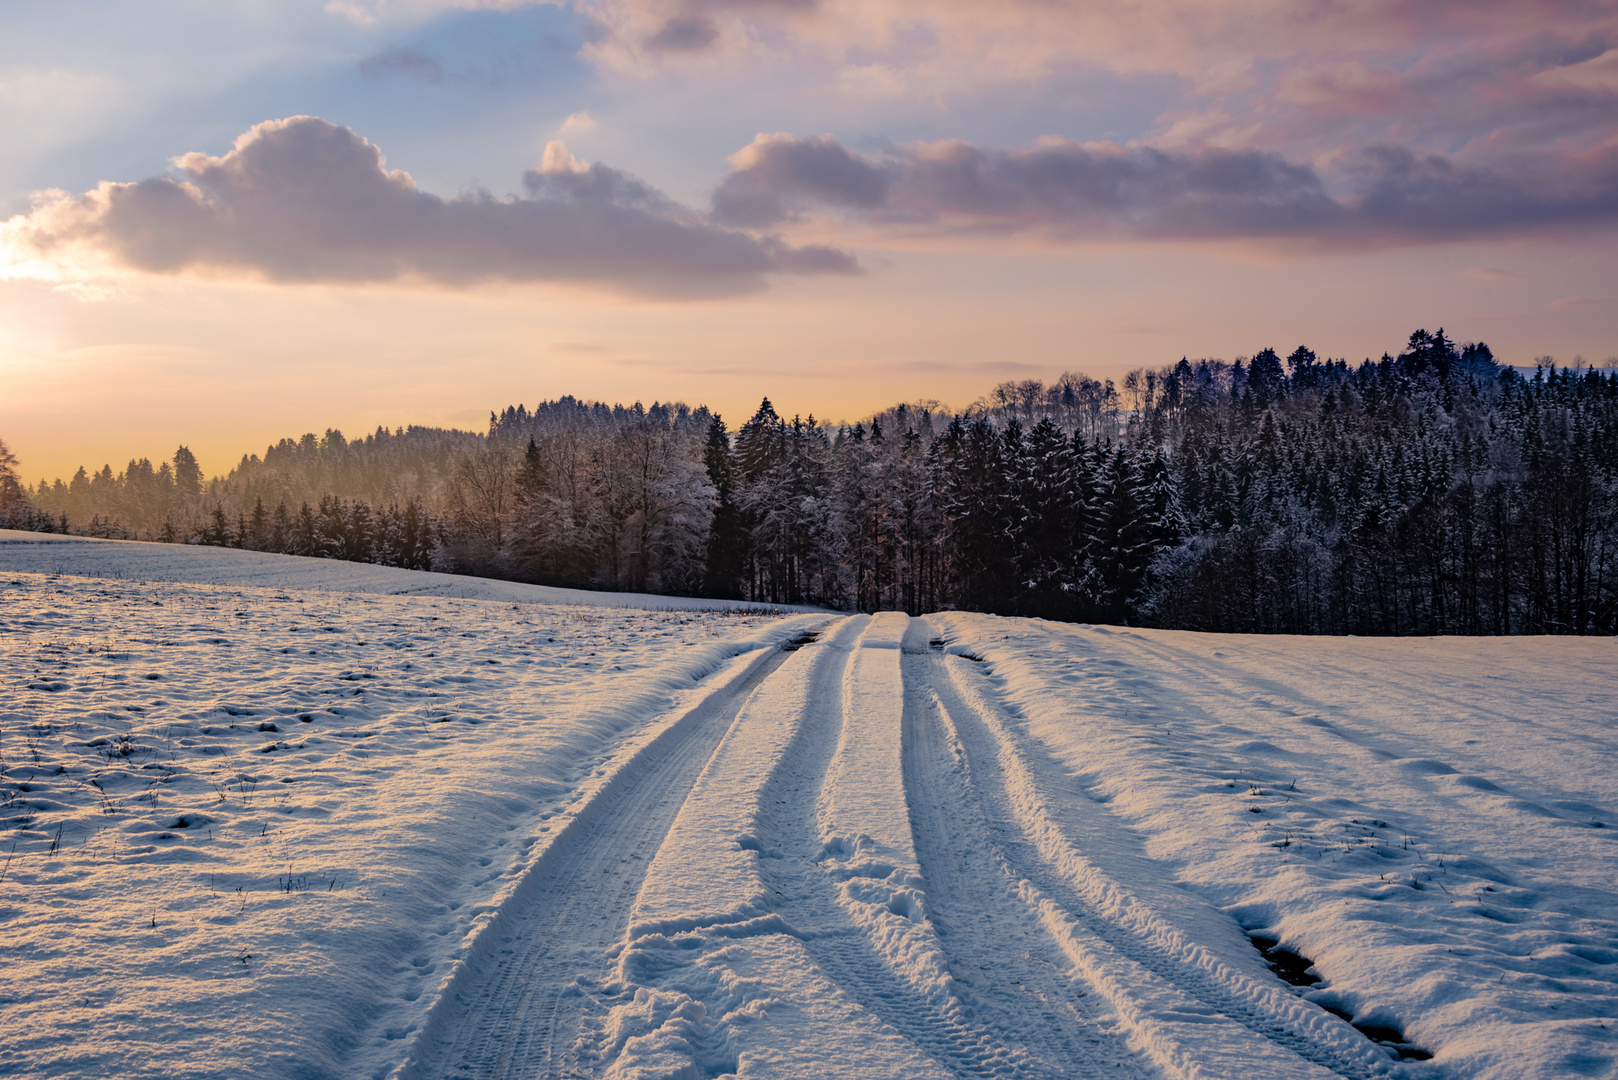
<point x="15" y="506"/>
<point x="187" y="476"/>
<point x="256" y="533"/>
<point x="727" y="554"/>
<point x="1265" y="380"/>
<point x="281" y="529"/>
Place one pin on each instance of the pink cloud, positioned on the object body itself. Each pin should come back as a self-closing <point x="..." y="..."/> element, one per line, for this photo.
<point x="1469" y="80"/>
<point x="1075" y="190"/>
<point x="1343" y="86"/>
<point x="1298" y="77"/>
<point x="1172" y="36"/>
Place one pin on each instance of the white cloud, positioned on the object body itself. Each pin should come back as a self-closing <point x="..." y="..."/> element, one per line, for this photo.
<point x="559" y="159"/>
<point x="85" y="292"/>
<point x="578" y="123"/>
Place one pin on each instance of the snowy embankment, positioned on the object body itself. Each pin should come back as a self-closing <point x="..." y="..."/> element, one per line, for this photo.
<point x="135" y="560"/>
<point x="302" y="834"/>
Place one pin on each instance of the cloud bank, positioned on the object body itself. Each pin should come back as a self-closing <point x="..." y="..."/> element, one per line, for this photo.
<point x="1473" y="91"/>
<point x="1077" y="189"/>
<point x="1208" y="41"/>
<point x="1477" y="78"/>
<point x="304" y="200"/>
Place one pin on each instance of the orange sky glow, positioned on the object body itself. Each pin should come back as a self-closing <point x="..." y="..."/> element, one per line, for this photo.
<point x="840" y="206"/>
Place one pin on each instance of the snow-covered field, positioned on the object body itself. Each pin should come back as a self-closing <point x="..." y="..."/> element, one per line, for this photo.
<point x="53" y="553"/>
<point x="282" y="824"/>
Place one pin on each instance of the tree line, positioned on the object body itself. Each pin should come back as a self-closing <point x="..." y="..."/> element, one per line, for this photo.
<point x="1432" y="492"/>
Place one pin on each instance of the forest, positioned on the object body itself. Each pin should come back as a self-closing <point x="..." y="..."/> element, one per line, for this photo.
<point x="1432" y="492"/>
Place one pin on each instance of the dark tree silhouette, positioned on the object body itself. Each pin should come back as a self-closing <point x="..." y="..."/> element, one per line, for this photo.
<point x="1430" y="493"/>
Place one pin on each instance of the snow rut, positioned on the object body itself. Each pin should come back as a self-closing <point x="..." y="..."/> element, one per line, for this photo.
<point x="863" y="824"/>
<point x="834" y="781"/>
<point x="1157" y="978"/>
<point x="515" y="1009"/>
<point x="845" y="862"/>
<point x="998" y="952"/>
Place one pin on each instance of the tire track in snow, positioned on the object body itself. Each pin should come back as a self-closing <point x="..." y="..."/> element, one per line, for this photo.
<point x="716" y="975"/>
<point x="831" y="814"/>
<point x="1105" y="920"/>
<point x="994" y="945"/>
<point x="515" y="1009"/>
<point x="808" y="900"/>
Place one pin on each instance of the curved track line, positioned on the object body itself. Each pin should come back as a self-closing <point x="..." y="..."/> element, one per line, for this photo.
<point x="1098" y="906"/>
<point x="706" y="873"/>
<point x="808" y="898"/>
<point x="722" y="969"/>
<point x="1002" y="1029"/>
<point x="997" y="950"/>
<point x="512" y="1009"/>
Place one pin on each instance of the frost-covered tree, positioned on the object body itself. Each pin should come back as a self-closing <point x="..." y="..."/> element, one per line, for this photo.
<point x="1431" y="492"/>
<point x="16" y="507"/>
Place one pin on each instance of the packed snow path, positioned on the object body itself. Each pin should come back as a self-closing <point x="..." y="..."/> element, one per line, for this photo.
<point x="517" y="1012"/>
<point x="845" y="861"/>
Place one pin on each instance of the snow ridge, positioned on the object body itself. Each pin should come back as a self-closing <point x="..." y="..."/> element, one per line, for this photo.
<point x="1426" y="821"/>
<point x="140" y="560"/>
<point x="1145" y="966"/>
<point x="864" y="819"/>
<point x="512" y="917"/>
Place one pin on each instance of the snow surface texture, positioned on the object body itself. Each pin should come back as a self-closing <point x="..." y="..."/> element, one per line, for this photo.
<point x="251" y="833"/>
<point x="1429" y="821"/>
<point x="136" y="560"/>
<point x="535" y="841"/>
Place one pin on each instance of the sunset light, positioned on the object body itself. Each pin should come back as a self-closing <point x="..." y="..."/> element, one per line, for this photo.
<point x="787" y="539"/>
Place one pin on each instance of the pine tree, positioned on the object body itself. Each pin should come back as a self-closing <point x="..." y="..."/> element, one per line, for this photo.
<point x="306" y="535"/>
<point x="187" y="476"/>
<point x="1265" y="379"/>
<point x="1049" y="495"/>
<point x="727" y="554"/>
<point x="15" y="507"/>
<point x="1124" y="539"/>
<point x="218" y="534"/>
<point x="256" y="531"/>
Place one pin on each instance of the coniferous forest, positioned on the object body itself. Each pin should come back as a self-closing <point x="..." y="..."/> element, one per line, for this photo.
<point x="1432" y="492"/>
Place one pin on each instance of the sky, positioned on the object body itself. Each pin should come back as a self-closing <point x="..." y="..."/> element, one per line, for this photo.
<point x="226" y="223"/>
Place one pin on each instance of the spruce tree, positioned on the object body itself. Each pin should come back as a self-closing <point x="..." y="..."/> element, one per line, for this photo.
<point x="187" y="476"/>
<point x="13" y="496"/>
<point x="726" y="555"/>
